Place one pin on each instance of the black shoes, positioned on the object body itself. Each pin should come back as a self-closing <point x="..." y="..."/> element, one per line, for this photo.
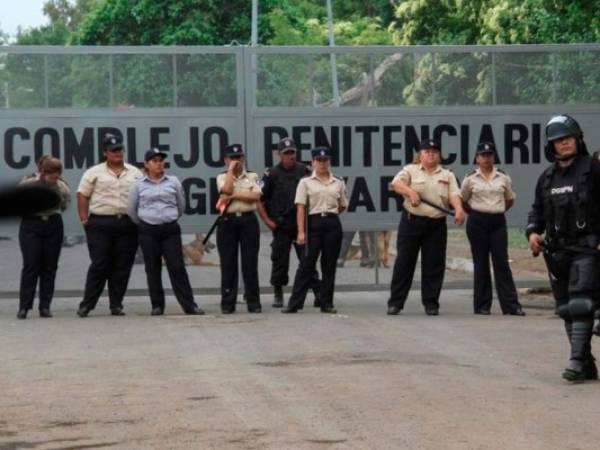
<point x="483" y="312"/>
<point x="574" y="372"/>
<point x="195" y="311"/>
<point x="156" y="312"/>
<point x="393" y="310"/>
<point x="255" y="309"/>
<point x="227" y="311"/>
<point x="277" y="297"/>
<point x="22" y="314"/>
<point x="83" y="312"/>
<point x="117" y="312"/>
<point x="516" y="312"/>
<point x="288" y="310"/>
<point x="432" y="311"/>
<point x="590" y="369"/>
<point x="45" y="312"/>
<point x="328" y="310"/>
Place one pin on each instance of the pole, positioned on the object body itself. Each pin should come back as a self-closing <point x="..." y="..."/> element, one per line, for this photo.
<point x="254" y="34"/>
<point x="334" y="77"/>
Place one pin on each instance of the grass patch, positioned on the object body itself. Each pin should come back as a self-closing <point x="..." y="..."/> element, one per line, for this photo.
<point x="516" y="237"/>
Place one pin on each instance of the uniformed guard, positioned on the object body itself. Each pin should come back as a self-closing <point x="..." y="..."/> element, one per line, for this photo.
<point x="423" y="227"/>
<point x="279" y="214"/>
<point x="102" y="200"/>
<point x="238" y="231"/>
<point x="487" y="193"/>
<point x="40" y="238"/>
<point x="323" y="196"/>
<point x="156" y="202"/>
<point x="566" y="209"/>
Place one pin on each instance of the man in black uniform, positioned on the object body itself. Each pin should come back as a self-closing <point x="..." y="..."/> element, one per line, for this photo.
<point x="565" y="207"/>
<point x="278" y="192"/>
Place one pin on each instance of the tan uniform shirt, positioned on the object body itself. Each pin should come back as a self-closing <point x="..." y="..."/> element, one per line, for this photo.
<point x="437" y="187"/>
<point x="487" y="195"/>
<point x="246" y="182"/>
<point x="108" y="193"/>
<point x="322" y="197"/>
<point x="61" y="187"/>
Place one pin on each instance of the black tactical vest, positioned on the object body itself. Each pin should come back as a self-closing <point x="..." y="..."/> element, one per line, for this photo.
<point x="283" y="184"/>
<point x="567" y="199"/>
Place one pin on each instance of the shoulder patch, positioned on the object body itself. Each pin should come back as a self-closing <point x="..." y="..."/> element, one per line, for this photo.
<point x="267" y="173"/>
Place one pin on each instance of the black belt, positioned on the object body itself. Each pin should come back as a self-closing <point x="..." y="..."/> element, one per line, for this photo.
<point x="486" y="213"/>
<point x="42" y="218"/>
<point x="239" y="214"/>
<point x="323" y="214"/>
<point x="113" y="216"/>
<point x="410" y="216"/>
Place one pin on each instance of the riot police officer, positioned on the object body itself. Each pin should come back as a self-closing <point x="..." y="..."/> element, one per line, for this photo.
<point x="279" y="214"/>
<point x="565" y="208"/>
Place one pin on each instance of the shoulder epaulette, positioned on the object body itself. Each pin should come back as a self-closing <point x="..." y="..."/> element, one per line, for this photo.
<point x="339" y="178"/>
<point x="472" y="172"/>
<point x="448" y="168"/>
<point x="501" y="171"/>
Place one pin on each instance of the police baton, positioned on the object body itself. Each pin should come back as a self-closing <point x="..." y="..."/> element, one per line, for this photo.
<point x="438" y="207"/>
<point x="214" y="225"/>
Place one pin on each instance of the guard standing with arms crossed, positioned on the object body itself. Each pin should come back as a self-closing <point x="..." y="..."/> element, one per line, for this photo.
<point x="487" y="193"/>
<point x="324" y="196"/>
<point x="102" y="200"/>
<point x="423" y="227"/>
<point x="278" y="192"/>
<point x="238" y="231"/>
<point x="566" y="209"/>
<point x="40" y="238"/>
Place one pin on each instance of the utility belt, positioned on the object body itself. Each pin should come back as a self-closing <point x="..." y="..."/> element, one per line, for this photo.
<point x="588" y="244"/>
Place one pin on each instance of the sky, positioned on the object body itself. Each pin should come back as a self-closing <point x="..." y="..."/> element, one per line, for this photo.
<point x="24" y="13"/>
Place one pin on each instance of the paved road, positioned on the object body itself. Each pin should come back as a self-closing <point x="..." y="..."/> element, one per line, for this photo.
<point x="356" y="380"/>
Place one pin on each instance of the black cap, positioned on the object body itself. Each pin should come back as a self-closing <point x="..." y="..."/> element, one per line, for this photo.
<point x="234" y="150"/>
<point x="485" y="147"/>
<point x="112" y="142"/>
<point x="152" y="153"/>
<point x="429" y="143"/>
<point x="321" y="152"/>
<point x="286" y="144"/>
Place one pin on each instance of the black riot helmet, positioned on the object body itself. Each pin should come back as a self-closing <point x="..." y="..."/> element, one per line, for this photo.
<point x="560" y="126"/>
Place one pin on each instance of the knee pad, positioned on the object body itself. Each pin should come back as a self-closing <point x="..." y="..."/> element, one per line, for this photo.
<point x="563" y="311"/>
<point x="581" y="307"/>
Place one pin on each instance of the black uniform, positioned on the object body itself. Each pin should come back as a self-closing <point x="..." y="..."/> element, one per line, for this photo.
<point x="566" y="208"/>
<point x="279" y="190"/>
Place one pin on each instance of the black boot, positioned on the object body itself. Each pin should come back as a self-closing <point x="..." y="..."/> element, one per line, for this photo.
<point x="277" y="297"/>
<point x="590" y="369"/>
<point x="317" y="294"/>
<point x="580" y="334"/>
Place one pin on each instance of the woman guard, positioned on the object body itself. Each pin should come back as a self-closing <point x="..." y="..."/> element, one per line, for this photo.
<point x="40" y="238"/>
<point x="487" y="193"/>
<point x="428" y="189"/>
<point x="323" y="197"/>
<point x="155" y="204"/>
<point x="238" y="231"/>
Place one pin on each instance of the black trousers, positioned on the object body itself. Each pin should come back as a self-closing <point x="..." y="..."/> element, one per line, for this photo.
<point x="488" y="236"/>
<point x="112" y="242"/>
<point x="429" y="236"/>
<point x="324" y="238"/>
<point x="164" y="241"/>
<point x="40" y="241"/>
<point x="284" y="238"/>
<point x="238" y="234"/>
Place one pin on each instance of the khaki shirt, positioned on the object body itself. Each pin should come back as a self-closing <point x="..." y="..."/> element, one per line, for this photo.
<point x="437" y="187"/>
<point x="322" y="197"/>
<point x="61" y="187"/>
<point x="487" y="195"/>
<point x="246" y="182"/>
<point x="108" y="193"/>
